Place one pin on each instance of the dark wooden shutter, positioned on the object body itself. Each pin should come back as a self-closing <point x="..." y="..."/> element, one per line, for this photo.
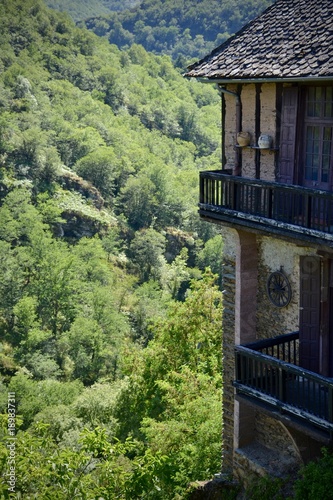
<point x="288" y="135"/>
<point x="309" y="328"/>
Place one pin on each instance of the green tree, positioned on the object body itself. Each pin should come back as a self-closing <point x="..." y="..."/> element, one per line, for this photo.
<point x="189" y="432"/>
<point x="315" y="478"/>
<point x="25" y="316"/>
<point x="146" y="251"/>
<point x="7" y="131"/>
<point x="150" y="302"/>
<point x="63" y="425"/>
<point x="20" y="221"/>
<point x="179" y="27"/>
<point x="76" y="306"/>
<point x="96" y="405"/>
<point x="175" y="274"/>
<point x="212" y="255"/>
<point x="102" y="169"/>
<point x="138" y="202"/>
<point x="34" y="396"/>
<point x="12" y="281"/>
<point x="74" y="144"/>
<point x="55" y="285"/>
<point x="84" y="344"/>
<point x="173" y="390"/>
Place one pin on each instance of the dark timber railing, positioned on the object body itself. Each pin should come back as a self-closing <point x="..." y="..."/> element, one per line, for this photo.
<point x="267" y="370"/>
<point x="298" y="206"/>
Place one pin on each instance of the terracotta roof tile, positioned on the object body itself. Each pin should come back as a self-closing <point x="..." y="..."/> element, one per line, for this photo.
<point x="291" y="39"/>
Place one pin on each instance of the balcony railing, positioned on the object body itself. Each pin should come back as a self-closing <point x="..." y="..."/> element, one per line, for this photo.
<point x="270" y="206"/>
<point x="267" y="371"/>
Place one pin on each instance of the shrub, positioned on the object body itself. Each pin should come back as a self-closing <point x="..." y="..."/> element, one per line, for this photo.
<point x="316" y="479"/>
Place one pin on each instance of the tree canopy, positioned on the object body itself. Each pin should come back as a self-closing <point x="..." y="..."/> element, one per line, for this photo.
<point x="184" y="29"/>
<point x="82" y="9"/>
<point x="102" y="256"/>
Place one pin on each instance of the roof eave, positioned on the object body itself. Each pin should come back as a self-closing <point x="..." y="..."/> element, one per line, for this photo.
<point x="224" y="81"/>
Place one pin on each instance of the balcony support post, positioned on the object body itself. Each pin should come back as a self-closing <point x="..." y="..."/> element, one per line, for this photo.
<point x="282" y="385"/>
<point x="330" y="404"/>
<point x="308" y="211"/>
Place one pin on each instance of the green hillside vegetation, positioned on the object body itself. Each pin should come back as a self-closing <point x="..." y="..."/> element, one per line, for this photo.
<point x="183" y="29"/>
<point x="110" y="325"/>
<point x="82" y="9"/>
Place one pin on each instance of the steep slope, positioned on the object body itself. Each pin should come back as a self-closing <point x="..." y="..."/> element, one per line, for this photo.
<point x="99" y="239"/>
<point x="124" y="121"/>
<point x="82" y="9"/>
<point x="184" y="29"/>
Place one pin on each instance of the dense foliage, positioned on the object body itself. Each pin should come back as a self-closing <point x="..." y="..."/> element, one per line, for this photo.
<point x="110" y="325"/>
<point x="316" y="478"/>
<point x="184" y="29"/>
<point x="82" y="9"/>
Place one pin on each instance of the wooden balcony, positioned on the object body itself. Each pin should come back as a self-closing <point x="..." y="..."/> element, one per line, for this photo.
<point x="269" y="207"/>
<point x="268" y="371"/>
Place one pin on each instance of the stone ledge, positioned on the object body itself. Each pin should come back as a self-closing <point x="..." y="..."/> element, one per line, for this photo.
<point x="219" y="488"/>
<point x="262" y="461"/>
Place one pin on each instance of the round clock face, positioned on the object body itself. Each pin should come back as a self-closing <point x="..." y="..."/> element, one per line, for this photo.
<point x="278" y="289"/>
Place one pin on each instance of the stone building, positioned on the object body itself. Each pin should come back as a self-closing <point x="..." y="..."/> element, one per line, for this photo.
<point x="273" y="198"/>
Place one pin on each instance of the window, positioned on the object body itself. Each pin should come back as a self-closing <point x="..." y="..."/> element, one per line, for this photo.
<point x="318" y="127"/>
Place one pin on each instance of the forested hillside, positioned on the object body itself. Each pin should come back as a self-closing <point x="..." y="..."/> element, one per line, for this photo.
<point x="183" y="29"/>
<point x="82" y="9"/>
<point x="109" y="324"/>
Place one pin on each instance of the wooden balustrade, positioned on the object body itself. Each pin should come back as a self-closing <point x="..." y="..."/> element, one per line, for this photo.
<point x="276" y="379"/>
<point x="261" y="201"/>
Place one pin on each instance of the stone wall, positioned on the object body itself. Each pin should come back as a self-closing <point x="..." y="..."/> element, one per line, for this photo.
<point x="228" y="340"/>
<point x="267" y="112"/>
<point x="267" y="445"/>
<point x="268" y="126"/>
<point x="252" y="437"/>
<point x="228" y="271"/>
<point x="274" y="435"/>
<point x="230" y="128"/>
<point x="275" y="255"/>
<point x="248" y="97"/>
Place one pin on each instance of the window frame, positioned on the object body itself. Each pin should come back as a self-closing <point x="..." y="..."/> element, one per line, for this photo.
<point x="319" y="122"/>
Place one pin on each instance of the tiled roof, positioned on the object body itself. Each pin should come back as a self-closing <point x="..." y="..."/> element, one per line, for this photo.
<point x="291" y="39"/>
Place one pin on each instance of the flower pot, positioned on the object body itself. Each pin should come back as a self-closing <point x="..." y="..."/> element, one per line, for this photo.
<point x="265" y="141"/>
<point x="243" y="138"/>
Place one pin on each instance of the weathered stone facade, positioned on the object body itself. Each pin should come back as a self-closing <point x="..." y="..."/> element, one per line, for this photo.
<point x="251" y="160"/>
<point x="248" y="95"/>
<point x="275" y="255"/>
<point x="228" y="271"/>
<point x="268" y="126"/>
<point x="230" y="139"/>
<point x="254" y="442"/>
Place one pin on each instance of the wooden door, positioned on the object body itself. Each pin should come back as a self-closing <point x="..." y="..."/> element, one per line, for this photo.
<point x="286" y="172"/>
<point x="330" y="322"/>
<point x="310" y="304"/>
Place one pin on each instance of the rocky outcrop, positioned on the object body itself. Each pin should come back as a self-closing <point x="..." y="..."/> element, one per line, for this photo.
<point x="78" y="225"/>
<point x="71" y="181"/>
<point x="177" y="239"/>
